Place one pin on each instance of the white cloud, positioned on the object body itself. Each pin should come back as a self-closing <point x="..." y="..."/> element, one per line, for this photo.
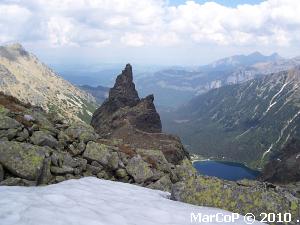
<point x="133" y="39"/>
<point x="13" y="20"/>
<point x="149" y="23"/>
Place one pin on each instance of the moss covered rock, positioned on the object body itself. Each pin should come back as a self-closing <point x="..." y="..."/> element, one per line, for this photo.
<point x="8" y="123"/>
<point x="82" y="132"/>
<point x="22" y="159"/>
<point x="97" y="152"/>
<point x="155" y="158"/>
<point x="43" y="138"/>
<point x="8" y="134"/>
<point x="253" y="197"/>
<point x="163" y="184"/>
<point x="139" y="169"/>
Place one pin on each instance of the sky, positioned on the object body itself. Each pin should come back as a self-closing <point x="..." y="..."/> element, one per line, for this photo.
<point x="152" y="32"/>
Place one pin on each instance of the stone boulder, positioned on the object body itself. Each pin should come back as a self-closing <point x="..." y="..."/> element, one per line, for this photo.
<point x="98" y="152"/>
<point x="61" y="170"/>
<point x="8" y="123"/>
<point x="164" y="184"/>
<point x="139" y="169"/>
<point x="81" y="132"/>
<point x="43" y="138"/>
<point x="22" y="159"/>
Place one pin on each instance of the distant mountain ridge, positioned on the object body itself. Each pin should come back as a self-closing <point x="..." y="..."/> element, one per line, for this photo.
<point x="22" y="75"/>
<point x="241" y="60"/>
<point x="174" y="87"/>
<point x="248" y="122"/>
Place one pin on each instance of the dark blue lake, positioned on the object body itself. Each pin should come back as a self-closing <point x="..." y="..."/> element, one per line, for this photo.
<point x="225" y="170"/>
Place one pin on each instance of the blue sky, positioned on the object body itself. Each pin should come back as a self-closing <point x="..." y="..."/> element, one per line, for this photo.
<point x="150" y="31"/>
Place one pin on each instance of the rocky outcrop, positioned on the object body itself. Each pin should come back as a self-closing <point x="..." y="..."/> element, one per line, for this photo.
<point x="124" y="105"/>
<point x="241" y="197"/>
<point x="285" y="166"/>
<point x="22" y="159"/>
<point x="38" y="148"/>
<point x="125" y="116"/>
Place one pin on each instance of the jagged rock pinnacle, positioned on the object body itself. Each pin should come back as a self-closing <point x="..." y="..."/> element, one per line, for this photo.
<point x="140" y="113"/>
<point x="123" y="93"/>
<point x="135" y="121"/>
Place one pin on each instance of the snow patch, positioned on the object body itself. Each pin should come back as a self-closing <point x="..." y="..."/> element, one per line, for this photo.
<point x="271" y="104"/>
<point x="91" y="201"/>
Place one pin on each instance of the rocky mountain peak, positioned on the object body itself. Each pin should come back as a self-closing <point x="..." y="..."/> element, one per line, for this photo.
<point x="124" y="93"/>
<point x="125" y="116"/>
<point x="24" y="76"/>
<point x="13" y="51"/>
<point x="124" y="104"/>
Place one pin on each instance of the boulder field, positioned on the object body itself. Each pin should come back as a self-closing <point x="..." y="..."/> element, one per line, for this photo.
<point x="124" y="143"/>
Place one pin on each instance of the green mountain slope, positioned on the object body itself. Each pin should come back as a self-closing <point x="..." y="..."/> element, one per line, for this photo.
<point x="248" y="122"/>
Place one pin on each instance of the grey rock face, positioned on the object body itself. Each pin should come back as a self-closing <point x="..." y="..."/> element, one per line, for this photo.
<point x="44" y="139"/>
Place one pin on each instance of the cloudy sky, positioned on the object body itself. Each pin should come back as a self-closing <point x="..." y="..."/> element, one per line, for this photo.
<point x="150" y="31"/>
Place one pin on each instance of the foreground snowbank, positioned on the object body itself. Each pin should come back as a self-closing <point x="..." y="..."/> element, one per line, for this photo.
<point x="90" y="201"/>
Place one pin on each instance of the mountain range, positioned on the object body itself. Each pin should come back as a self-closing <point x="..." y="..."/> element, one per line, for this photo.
<point x="174" y="87"/>
<point x="249" y="122"/>
<point x="22" y="75"/>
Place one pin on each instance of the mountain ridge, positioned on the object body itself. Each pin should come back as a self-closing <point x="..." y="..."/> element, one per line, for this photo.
<point x="241" y="117"/>
<point x="25" y="77"/>
<point x="174" y="87"/>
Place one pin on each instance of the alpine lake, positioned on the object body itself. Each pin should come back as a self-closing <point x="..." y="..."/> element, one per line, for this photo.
<point x="225" y="170"/>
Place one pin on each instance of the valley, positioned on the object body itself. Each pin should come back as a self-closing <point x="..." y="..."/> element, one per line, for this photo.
<point x="241" y="118"/>
<point x="149" y="112"/>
